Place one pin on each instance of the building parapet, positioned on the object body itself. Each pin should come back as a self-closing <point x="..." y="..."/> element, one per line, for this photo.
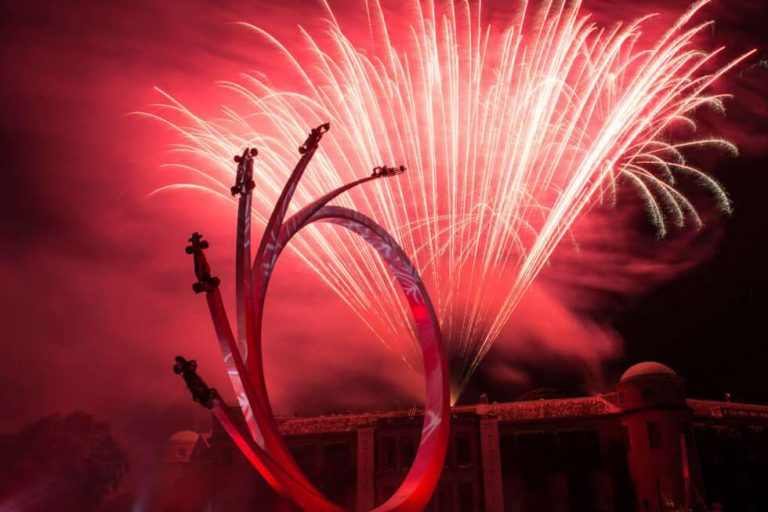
<point x="564" y="408"/>
<point x="715" y="409"/>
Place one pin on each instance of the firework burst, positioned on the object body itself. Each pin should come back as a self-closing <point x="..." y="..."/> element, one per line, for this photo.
<point x="508" y="135"/>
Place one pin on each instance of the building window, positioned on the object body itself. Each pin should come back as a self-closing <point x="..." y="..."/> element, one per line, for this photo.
<point x="508" y="452"/>
<point x="336" y="453"/>
<point x="592" y="443"/>
<point x="448" y="498"/>
<point x="388" y="453"/>
<point x="305" y="456"/>
<point x="654" y="434"/>
<point x="407" y="451"/>
<point x="648" y="394"/>
<point x="466" y="497"/>
<point x="463" y="453"/>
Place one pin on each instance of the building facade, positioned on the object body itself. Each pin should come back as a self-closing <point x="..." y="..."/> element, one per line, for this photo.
<point x="644" y="448"/>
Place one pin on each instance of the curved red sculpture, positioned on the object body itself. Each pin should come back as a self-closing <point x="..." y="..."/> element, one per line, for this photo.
<point x="262" y="444"/>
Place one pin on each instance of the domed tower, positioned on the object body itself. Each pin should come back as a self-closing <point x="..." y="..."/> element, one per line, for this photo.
<point x="183" y="482"/>
<point x="654" y="415"/>
<point x="181" y="446"/>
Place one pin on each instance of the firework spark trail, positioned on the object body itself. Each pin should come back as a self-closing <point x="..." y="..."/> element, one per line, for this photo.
<point x="508" y="136"/>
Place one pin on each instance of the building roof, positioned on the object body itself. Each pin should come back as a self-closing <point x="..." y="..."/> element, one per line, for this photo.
<point x="581" y="407"/>
<point x="524" y="411"/>
<point x="716" y="409"/>
<point x="645" y="369"/>
<point x="534" y="410"/>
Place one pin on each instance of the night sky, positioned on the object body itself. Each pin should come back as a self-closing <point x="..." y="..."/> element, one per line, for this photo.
<point x="96" y="299"/>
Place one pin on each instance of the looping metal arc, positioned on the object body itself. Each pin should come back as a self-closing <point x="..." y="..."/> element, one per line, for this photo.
<point x="262" y="443"/>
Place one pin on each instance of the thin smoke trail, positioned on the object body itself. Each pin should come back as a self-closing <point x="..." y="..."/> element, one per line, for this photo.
<point x="508" y="134"/>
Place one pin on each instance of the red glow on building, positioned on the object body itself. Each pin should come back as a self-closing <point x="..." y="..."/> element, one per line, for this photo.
<point x="643" y="447"/>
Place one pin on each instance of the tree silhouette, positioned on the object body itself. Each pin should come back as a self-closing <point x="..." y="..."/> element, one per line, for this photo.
<point x="61" y="463"/>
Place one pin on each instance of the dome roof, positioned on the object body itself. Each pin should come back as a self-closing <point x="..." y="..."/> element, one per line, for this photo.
<point x="181" y="446"/>
<point x="645" y="369"/>
<point x="184" y="437"/>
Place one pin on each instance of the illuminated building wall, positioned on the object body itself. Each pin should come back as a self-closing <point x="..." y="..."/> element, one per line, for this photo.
<point x="644" y="447"/>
